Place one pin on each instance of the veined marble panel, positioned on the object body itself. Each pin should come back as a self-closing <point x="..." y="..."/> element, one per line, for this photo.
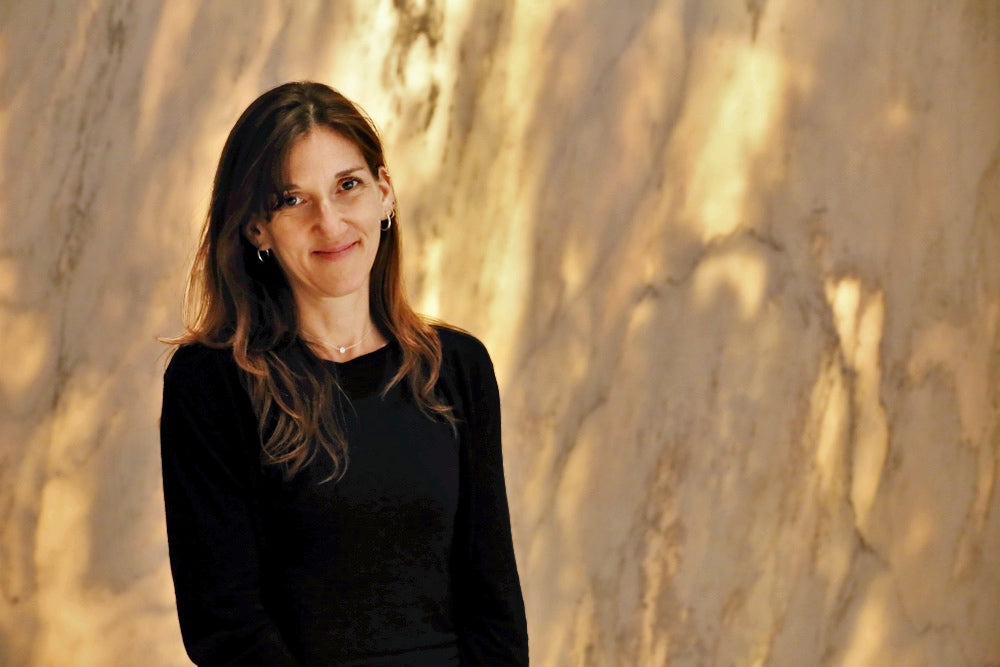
<point x="736" y="263"/>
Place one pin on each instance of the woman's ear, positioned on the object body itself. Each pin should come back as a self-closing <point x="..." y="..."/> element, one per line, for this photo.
<point x="256" y="233"/>
<point x="386" y="190"/>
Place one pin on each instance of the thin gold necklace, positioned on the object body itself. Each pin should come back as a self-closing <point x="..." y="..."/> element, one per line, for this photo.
<point x="345" y="348"/>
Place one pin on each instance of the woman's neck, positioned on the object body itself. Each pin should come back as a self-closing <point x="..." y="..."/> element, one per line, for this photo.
<point x="339" y="329"/>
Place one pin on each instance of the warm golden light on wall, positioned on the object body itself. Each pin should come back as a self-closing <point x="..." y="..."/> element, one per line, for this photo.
<point x="734" y="262"/>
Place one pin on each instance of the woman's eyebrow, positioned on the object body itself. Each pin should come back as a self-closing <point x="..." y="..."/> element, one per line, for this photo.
<point x="340" y="174"/>
<point x="346" y="172"/>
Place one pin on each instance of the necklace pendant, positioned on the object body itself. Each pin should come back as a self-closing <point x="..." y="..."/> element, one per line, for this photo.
<point x="343" y="349"/>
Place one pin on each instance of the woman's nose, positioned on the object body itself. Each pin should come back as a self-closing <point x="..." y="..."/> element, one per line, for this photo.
<point x="331" y="218"/>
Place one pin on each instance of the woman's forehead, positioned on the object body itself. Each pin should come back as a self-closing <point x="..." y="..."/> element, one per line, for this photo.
<point x="321" y="152"/>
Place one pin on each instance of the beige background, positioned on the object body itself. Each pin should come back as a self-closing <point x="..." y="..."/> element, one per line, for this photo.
<point x="737" y="263"/>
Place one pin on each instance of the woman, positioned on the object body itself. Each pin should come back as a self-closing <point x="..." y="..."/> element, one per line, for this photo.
<point x="332" y="469"/>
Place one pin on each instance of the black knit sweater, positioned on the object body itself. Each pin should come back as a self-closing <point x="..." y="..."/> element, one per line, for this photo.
<point x="406" y="560"/>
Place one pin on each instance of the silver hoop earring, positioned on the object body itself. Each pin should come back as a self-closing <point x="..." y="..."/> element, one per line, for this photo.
<point x="388" y="222"/>
<point x="267" y="253"/>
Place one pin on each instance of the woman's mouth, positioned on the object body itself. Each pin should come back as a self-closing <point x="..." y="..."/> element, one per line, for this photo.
<point x="335" y="252"/>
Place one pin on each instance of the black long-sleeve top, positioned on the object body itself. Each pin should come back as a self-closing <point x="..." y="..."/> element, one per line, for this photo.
<point x="405" y="560"/>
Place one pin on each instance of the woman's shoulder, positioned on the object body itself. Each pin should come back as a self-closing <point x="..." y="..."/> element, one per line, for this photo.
<point x="464" y="359"/>
<point x="198" y="363"/>
<point x="459" y="343"/>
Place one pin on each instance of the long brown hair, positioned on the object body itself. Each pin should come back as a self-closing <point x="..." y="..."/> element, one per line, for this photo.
<point x="235" y="301"/>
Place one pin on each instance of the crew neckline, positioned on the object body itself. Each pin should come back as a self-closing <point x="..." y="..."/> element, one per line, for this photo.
<point x="360" y="357"/>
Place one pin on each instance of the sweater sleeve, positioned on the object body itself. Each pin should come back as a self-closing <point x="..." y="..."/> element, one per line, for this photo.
<point x="488" y="590"/>
<point x="212" y="534"/>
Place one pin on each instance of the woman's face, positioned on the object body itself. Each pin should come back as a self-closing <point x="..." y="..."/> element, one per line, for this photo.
<point x="325" y="231"/>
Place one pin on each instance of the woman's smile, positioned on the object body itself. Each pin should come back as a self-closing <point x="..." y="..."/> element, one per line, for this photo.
<point x="334" y="253"/>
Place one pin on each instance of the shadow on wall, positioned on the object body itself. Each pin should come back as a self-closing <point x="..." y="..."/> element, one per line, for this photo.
<point x="701" y="285"/>
<point x="669" y="303"/>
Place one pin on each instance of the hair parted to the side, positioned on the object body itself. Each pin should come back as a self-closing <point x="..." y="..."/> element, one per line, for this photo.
<point x="234" y="301"/>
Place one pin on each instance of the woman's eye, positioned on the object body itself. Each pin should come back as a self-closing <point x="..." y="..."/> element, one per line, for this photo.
<point x="351" y="183"/>
<point x="288" y="201"/>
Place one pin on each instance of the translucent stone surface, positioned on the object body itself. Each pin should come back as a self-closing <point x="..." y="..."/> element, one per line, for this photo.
<point x="736" y="263"/>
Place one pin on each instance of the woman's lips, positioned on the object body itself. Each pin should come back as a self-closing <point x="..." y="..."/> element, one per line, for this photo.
<point x="335" y="252"/>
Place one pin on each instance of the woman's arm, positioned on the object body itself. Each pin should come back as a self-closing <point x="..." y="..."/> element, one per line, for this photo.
<point x="207" y="487"/>
<point x="493" y="629"/>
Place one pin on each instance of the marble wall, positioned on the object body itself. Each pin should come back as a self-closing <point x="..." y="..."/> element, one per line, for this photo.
<point x="736" y="263"/>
